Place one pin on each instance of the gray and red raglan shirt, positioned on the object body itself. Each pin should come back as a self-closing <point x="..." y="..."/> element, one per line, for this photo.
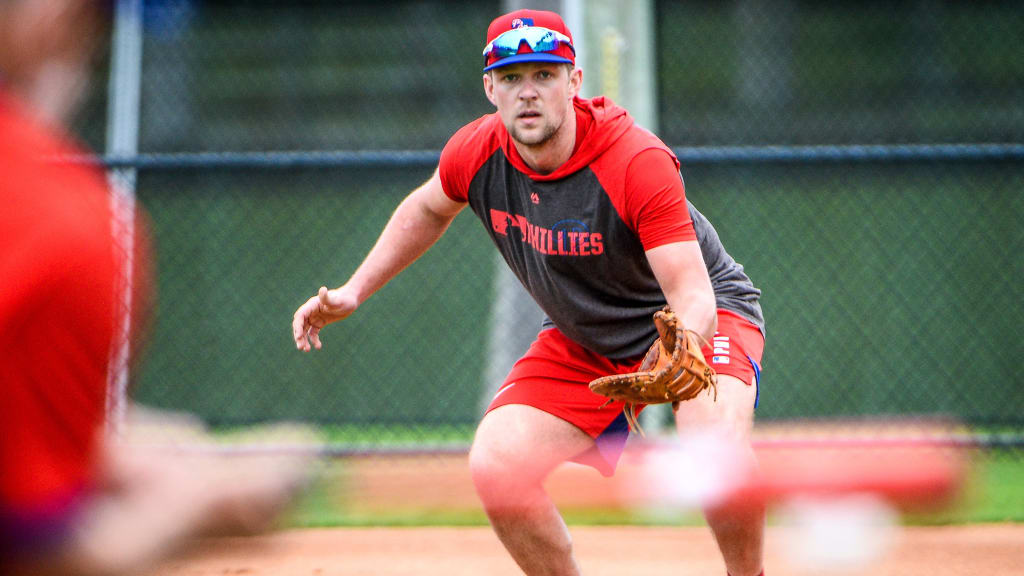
<point x="576" y="237"/>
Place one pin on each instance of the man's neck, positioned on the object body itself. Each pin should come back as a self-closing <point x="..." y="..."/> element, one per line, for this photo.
<point x="546" y="157"/>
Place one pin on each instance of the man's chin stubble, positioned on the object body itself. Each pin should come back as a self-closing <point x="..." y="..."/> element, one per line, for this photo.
<point x="532" y="140"/>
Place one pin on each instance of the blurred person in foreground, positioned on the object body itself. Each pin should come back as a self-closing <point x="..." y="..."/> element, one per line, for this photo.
<point x="589" y="211"/>
<point x="73" y="501"/>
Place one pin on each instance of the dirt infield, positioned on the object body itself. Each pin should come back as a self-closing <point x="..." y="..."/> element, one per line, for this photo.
<point x="374" y="488"/>
<point x="602" y="551"/>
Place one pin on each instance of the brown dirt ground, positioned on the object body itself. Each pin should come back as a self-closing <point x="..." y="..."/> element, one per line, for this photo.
<point x="602" y="551"/>
<point x="374" y="486"/>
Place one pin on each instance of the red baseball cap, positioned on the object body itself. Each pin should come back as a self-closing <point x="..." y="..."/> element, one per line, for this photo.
<point x="530" y="27"/>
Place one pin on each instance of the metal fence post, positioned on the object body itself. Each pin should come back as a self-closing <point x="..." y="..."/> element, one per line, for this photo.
<point x="123" y="140"/>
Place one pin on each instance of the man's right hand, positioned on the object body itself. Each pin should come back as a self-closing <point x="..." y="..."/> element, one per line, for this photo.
<point x="320" y="310"/>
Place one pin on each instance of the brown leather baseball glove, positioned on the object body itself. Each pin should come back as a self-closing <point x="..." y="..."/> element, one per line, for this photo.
<point x="674" y="370"/>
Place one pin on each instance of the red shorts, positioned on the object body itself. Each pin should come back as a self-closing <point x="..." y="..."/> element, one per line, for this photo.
<point x="554" y="374"/>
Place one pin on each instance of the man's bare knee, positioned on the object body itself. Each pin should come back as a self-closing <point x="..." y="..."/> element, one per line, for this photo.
<point x="499" y="478"/>
<point x="517" y="446"/>
<point x="485" y="469"/>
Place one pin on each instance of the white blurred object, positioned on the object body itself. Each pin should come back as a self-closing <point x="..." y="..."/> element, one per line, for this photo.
<point x="838" y="534"/>
<point x="696" y="471"/>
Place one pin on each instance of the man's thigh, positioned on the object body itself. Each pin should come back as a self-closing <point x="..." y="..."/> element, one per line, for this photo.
<point x="526" y="440"/>
<point x="731" y="413"/>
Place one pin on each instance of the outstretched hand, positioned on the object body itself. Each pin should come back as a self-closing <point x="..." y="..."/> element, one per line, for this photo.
<point x="320" y="310"/>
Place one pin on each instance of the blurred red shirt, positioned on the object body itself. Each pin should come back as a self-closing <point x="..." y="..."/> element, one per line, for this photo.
<point x="61" y="277"/>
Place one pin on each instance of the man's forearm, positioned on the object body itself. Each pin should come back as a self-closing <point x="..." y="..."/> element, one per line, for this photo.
<point x="680" y="270"/>
<point x="697" y="312"/>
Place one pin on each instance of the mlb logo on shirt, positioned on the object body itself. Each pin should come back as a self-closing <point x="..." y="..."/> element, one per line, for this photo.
<point x="721" y="349"/>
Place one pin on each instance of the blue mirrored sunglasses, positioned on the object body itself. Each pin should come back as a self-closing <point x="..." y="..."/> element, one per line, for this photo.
<point x="537" y="38"/>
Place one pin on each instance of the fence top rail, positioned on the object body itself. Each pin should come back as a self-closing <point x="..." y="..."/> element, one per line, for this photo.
<point x="881" y="153"/>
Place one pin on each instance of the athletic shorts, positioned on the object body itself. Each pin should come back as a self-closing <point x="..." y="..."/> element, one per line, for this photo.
<point x="554" y="374"/>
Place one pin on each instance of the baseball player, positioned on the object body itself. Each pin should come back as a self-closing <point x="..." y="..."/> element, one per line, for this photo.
<point x="589" y="211"/>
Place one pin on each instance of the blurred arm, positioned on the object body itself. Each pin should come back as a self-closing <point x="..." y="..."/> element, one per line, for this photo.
<point x="152" y="501"/>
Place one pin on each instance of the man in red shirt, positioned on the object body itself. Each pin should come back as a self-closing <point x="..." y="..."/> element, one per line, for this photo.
<point x="70" y="502"/>
<point x="589" y="211"/>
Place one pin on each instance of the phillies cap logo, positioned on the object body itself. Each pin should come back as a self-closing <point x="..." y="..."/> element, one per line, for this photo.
<point x="521" y="22"/>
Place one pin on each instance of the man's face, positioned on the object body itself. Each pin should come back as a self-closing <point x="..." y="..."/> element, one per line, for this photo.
<point x="533" y="98"/>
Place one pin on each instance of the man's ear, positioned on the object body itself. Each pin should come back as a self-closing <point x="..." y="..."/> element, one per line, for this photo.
<point x="489" y="87"/>
<point x="575" y="82"/>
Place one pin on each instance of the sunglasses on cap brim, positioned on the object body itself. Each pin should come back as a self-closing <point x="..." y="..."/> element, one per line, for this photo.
<point x="537" y="38"/>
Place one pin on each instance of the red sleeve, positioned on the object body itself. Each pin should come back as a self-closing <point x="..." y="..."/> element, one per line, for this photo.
<point x="463" y="155"/>
<point x="656" y="200"/>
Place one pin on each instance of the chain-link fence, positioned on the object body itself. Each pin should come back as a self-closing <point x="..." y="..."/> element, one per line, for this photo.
<point x="787" y="72"/>
<point x="891" y="285"/>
